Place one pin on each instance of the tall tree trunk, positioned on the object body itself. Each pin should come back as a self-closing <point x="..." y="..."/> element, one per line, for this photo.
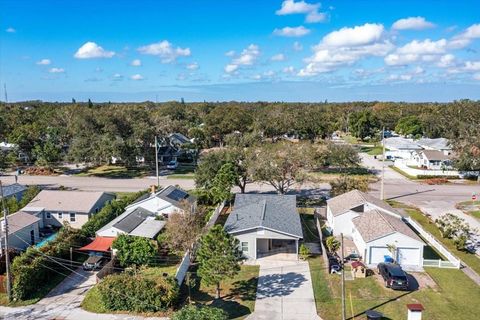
<point x="218" y="291"/>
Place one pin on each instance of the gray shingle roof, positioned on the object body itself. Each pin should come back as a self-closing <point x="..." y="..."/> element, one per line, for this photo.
<point x="375" y="224"/>
<point x="437" y="144"/>
<point x="352" y="199"/>
<point x="435" y="155"/>
<point x="12" y="189"/>
<point x="276" y="212"/>
<point x="20" y="220"/>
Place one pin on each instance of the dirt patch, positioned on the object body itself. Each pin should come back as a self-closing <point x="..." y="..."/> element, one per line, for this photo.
<point x="424" y="280"/>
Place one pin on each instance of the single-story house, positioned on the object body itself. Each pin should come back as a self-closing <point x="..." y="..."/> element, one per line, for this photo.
<point x="13" y="190"/>
<point x="23" y="231"/>
<point x="136" y="222"/>
<point x="54" y="207"/>
<point x="400" y="148"/>
<point x="265" y="224"/>
<point x="434" y="159"/>
<point x="343" y="208"/>
<point x="164" y="202"/>
<point x="375" y="228"/>
<point x="439" y="144"/>
<point x="178" y="140"/>
<point x="377" y="234"/>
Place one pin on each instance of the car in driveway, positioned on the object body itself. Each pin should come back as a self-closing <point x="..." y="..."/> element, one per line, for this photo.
<point x="93" y="263"/>
<point x="172" y="165"/>
<point x="393" y="275"/>
<point x="353" y="257"/>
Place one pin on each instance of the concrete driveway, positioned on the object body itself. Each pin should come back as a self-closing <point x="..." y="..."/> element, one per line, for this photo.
<point x="284" y="291"/>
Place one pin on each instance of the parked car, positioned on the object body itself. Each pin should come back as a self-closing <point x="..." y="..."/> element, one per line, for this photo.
<point x="353" y="257"/>
<point x="393" y="275"/>
<point x="172" y="165"/>
<point x="93" y="263"/>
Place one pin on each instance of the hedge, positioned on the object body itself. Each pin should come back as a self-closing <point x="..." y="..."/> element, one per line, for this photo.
<point x="138" y="293"/>
<point x="200" y="313"/>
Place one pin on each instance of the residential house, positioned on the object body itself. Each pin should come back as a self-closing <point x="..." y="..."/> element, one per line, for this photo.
<point x="54" y="207"/>
<point x="265" y="224"/>
<point x="400" y="148"/>
<point x="439" y="144"/>
<point x="15" y="190"/>
<point x="23" y="231"/>
<point x="146" y="216"/>
<point x="434" y="160"/>
<point x="377" y="230"/>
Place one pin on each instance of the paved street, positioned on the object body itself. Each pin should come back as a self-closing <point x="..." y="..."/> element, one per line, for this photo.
<point x="63" y="302"/>
<point x="284" y="291"/>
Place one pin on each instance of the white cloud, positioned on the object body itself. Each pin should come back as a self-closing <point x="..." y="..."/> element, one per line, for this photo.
<point x="472" y="66"/>
<point x="426" y="50"/>
<point x="446" y="61"/>
<point x="278" y="57"/>
<point x="117" y="77"/>
<point x="412" y="23"/>
<point x="136" y="77"/>
<point x="299" y="31"/>
<point x="230" y="53"/>
<point x="476" y="76"/>
<point x="297" y="46"/>
<point x="92" y="50"/>
<point x="192" y="66"/>
<point x="165" y="51"/>
<point x="289" y="70"/>
<point x="10" y="30"/>
<point x="136" y="63"/>
<point x="56" y="70"/>
<point x="345" y="47"/>
<point x="356" y="36"/>
<point x="311" y="10"/>
<point x="465" y="38"/>
<point x="247" y="57"/>
<point x="44" y="62"/>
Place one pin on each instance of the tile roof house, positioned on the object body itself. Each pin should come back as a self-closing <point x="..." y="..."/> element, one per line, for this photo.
<point x="265" y="224"/>
<point x="54" y="207"/>
<point x="375" y="228"/>
<point x="23" y="231"/>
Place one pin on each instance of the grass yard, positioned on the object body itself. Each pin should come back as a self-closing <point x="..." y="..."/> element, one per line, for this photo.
<point x="470" y="207"/>
<point x="373" y="151"/>
<point x="468" y="258"/>
<point x="114" y="171"/>
<point x="452" y="295"/>
<point x="237" y="294"/>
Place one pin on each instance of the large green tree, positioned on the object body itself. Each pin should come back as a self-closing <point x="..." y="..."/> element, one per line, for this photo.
<point x="134" y="251"/>
<point x="410" y="125"/>
<point x="218" y="257"/>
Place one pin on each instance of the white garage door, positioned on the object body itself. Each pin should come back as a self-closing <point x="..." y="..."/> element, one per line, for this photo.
<point x="409" y="256"/>
<point x="377" y="254"/>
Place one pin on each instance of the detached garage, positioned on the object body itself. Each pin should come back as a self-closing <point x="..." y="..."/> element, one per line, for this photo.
<point x="265" y="224"/>
<point x="379" y="235"/>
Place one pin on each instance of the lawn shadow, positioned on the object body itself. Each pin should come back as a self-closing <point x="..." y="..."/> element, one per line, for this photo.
<point x="244" y="289"/>
<point x="381" y="305"/>
<point x="231" y="307"/>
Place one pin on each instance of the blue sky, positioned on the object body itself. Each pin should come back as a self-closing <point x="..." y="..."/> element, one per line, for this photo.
<point x="240" y="50"/>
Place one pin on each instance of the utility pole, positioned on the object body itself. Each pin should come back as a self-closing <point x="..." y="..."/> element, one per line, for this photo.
<point x="156" y="161"/>
<point x="7" y="259"/>
<point x="344" y="316"/>
<point x="5" y="89"/>
<point x="71" y="257"/>
<point x="382" y="183"/>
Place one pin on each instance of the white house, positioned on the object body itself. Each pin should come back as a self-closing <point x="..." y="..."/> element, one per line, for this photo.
<point x="439" y="144"/>
<point x="434" y="159"/>
<point x="400" y="148"/>
<point x="377" y="229"/>
<point x="265" y="224"/>
<point x="54" y="207"/>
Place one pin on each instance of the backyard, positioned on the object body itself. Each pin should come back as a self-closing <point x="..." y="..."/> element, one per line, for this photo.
<point x="445" y="294"/>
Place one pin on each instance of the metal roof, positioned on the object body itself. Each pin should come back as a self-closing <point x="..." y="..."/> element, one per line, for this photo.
<point x="275" y="212"/>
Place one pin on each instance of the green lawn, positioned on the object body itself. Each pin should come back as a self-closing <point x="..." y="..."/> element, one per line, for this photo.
<point x="373" y="151"/>
<point x="452" y="296"/>
<point x="114" y="171"/>
<point x="468" y="258"/>
<point x="237" y="296"/>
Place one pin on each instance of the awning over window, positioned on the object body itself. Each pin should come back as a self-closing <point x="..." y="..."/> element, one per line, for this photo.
<point x="101" y="244"/>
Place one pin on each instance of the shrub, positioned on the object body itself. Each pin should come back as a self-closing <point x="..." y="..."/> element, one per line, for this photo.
<point x="138" y="293"/>
<point x="346" y="183"/>
<point x="304" y="252"/>
<point x="200" y="313"/>
<point x="134" y="250"/>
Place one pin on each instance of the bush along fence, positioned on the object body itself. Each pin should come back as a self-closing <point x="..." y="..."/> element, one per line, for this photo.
<point x="187" y="257"/>
<point x="453" y="262"/>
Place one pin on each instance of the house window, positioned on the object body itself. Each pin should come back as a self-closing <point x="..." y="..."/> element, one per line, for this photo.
<point x="32" y="237"/>
<point x="244" y="246"/>
<point x="48" y="215"/>
<point x="72" y="217"/>
<point x="60" y="215"/>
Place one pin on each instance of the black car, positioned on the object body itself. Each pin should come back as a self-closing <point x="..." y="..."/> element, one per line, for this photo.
<point x="393" y="275"/>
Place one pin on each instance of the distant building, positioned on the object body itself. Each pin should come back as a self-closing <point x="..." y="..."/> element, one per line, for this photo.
<point x="23" y="231"/>
<point x="400" y="148"/>
<point x="434" y="160"/>
<point x="15" y="190"/>
<point x="54" y="207"/>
